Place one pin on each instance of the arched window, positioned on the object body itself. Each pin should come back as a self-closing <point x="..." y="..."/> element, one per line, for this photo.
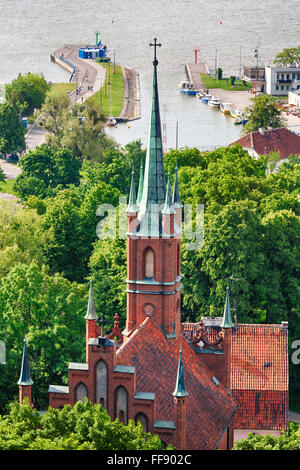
<point x="141" y="418"/>
<point x="81" y="392"/>
<point x="101" y="384"/>
<point x="121" y="405"/>
<point x="149" y="263"/>
<point x="178" y="260"/>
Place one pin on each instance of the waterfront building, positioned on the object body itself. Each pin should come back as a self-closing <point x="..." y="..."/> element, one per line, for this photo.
<point x="281" y="80"/>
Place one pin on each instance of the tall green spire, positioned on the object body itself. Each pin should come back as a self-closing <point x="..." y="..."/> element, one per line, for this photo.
<point x="25" y="368"/>
<point x="91" y="311"/>
<point x="132" y="205"/>
<point x="168" y="207"/>
<point x="154" y="188"/>
<point x="227" y="322"/>
<point x="176" y="196"/>
<point x="180" y="390"/>
<point x="141" y="184"/>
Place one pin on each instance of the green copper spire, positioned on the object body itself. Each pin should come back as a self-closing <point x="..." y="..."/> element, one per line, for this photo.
<point x="168" y="207"/>
<point x="91" y="311"/>
<point x="132" y="205"/>
<point x="180" y="390"/>
<point x="141" y="184"/>
<point x="154" y="188"/>
<point x="25" y="369"/>
<point x="227" y="322"/>
<point x="176" y="197"/>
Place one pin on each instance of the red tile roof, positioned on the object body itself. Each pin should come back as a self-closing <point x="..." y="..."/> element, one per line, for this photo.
<point x="209" y="406"/>
<point x="282" y="140"/>
<point x="259" y="374"/>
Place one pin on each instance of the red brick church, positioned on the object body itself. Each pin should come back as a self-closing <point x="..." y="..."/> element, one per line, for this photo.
<point x="198" y="386"/>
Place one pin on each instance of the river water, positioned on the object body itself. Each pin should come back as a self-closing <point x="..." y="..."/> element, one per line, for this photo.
<point x="31" y="30"/>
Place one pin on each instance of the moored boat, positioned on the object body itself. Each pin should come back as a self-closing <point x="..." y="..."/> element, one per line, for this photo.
<point x="214" y="102"/>
<point x="206" y="98"/>
<point x="225" y="107"/>
<point x="188" y="88"/>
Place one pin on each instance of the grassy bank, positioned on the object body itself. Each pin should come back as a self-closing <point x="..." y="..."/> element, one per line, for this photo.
<point x="224" y="83"/>
<point x="7" y="187"/>
<point x="117" y="91"/>
<point x="58" y="89"/>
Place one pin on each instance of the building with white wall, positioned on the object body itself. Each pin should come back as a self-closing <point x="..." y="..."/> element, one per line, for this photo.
<point x="281" y="80"/>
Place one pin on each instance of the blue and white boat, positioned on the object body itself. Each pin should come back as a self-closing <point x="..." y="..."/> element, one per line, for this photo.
<point x="206" y="98"/>
<point x="187" y="88"/>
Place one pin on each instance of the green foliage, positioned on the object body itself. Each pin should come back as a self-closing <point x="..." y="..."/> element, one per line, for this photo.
<point x="12" y="130"/>
<point x="43" y="169"/>
<point x="27" y="93"/>
<point x="263" y="113"/>
<point x="49" y="311"/>
<point x="289" y="57"/>
<point x="286" y="441"/>
<point x="83" y="427"/>
<point x="80" y="129"/>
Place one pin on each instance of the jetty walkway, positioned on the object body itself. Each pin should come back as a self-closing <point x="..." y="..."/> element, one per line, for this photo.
<point x="193" y="72"/>
<point x="89" y="77"/>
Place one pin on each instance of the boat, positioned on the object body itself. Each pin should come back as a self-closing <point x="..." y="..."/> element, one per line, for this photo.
<point x="187" y="88"/>
<point x="200" y="93"/>
<point x="240" y="118"/>
<point x="225" y="107"/>
<point x="214" y="102"/>
<point x="206" y="98"/>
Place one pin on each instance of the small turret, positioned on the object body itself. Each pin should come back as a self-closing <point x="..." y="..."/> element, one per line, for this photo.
<point x="180" y="394"/>
<point x="227" y="322"/>
<point x="25" y="381"/>
<point x="91" y="319"/>
<point x="141" y="184"/>
<point x="132" y="205"/>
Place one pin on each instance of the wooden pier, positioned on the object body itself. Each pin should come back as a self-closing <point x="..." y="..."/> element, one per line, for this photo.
<point x="193" y="72"/>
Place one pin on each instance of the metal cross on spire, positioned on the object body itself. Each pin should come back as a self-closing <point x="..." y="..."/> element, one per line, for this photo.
<point x="155" y="45"/>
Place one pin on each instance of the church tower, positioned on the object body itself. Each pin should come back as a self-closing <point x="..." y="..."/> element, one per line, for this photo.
<point x="154" y="237"/>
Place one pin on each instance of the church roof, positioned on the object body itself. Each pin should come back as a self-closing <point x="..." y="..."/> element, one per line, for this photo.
<point x="210" y="408"/>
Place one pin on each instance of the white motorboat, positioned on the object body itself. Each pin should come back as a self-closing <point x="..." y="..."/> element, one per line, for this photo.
<point x="214" y="102"/>
<point x="225" y="107"/>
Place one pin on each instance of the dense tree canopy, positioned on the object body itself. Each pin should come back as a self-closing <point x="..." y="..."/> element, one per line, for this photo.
<point x="12" y="130"/>
<point x="289" y="57"/>
<point x="263" y="113"/>
<point x="83" y="427"/>
<point x="286" y="441"/>
<point x="27" y="93"/>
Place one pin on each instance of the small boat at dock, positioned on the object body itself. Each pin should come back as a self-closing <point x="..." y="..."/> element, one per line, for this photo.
<point x="214" y="102"/>
<point x="225" y="107"/>
<point x="206" y="98"/>
<point x="187" y="88"/>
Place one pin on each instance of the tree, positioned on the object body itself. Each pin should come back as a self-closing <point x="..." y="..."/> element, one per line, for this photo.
<point x="27" y="93"/>
<point x="77" y="128"/>
<point x="286" y="441"/>
<point x="289" y="57"/>
<point x="83" y="427"/>
<point x="264" y="113"/>
<point x="49" y="311"/>
<point x="12" y="130"/>
<point x="45" y="168"/>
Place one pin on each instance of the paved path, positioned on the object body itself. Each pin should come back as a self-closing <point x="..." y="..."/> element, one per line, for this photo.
<point x="10" y="170"/>
<point x="35" y="136"/>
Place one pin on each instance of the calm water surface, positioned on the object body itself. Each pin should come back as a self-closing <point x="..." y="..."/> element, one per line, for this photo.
<point x="30" y="30"/>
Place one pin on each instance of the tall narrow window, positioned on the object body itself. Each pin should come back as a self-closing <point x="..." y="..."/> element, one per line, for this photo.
<point x="101" y="384"/>
<point x="141" y="418"/>
<point x="149" y="263"/>
<point x="178" y="260"/>
<point x="81" y="392"/>
<point x="121" y="405"/>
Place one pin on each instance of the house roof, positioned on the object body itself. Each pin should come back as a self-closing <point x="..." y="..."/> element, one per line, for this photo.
<point x="281" y="140"/>
<point x="210" y="408"/>
<point x="259" y="373"/>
